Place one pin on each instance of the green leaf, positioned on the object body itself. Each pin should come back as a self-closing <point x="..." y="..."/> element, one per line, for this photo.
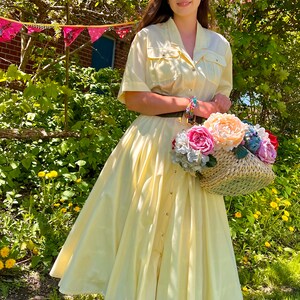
<point x="240" y="151"/>
<point x="26" y="162"/>
<point x="68" y="194"/>
<point x="80" y="163"/>
<point x="32" y="91"/>
<point x="63" y="149"/>
<point x="212" y="161"/>
<point x="35" y="260"/>
<point x="51" y="90"/>
<point x="12" y="72"/>
<point x="283" y="74"/>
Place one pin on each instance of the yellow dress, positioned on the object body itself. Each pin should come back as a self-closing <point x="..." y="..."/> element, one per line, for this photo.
<point x="147" y="230"/>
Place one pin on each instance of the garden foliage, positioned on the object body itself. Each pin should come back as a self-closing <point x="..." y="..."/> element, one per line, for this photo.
<point x="45" y="181"/>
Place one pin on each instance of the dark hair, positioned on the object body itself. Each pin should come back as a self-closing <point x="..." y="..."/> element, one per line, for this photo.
<point x="159" y="11"/>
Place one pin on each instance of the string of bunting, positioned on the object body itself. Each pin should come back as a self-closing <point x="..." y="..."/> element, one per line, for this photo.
<point x="10" y="28"/>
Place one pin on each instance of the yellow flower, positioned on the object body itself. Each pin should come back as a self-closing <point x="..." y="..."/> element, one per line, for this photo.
<point x="267" y="244"/>
<point x="285" y="218"/>
<point x="256" y="216"/>
<point x="274" y="191"/>
<point x="245" y="260"/>
<point x="245" y="289"/>
<point x="1" y="265"/>
<point x="291" y="229"/>
<point x="78" y="180"/>
<point x="286" y="213"/>
<point x="52" y="174"/>
<point x="62" y="200"/>
<point x="56" y="204"/>
<point x="70" y="204"/>
<point x="258" y="212"/>
<point x="273" y="204"/>
<point x="35" y="251"/>
<point x="10" y="263"/>
<point x="4" y="252"/>
<point x="77" y="208"/>
<point x="41" y="174"/>
<point x="63" y="210"/>
<point x="238" y="214"/>
<point x="287" y="203"/>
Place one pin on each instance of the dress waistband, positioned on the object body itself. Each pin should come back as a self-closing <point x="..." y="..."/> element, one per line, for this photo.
<point x="179" y="114"/>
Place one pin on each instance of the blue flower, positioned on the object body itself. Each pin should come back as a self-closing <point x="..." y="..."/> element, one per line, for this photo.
<point x="251" y="139"/>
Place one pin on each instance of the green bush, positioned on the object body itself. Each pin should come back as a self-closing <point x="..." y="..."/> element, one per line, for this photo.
<point x="44" y="182"/>
<point x="265" y="225"/>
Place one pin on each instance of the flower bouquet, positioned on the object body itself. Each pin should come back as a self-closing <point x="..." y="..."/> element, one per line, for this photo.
<point x="229" y="156"/>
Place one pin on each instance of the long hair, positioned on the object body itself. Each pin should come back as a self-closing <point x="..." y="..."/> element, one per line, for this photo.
<point x="159" y="11"/>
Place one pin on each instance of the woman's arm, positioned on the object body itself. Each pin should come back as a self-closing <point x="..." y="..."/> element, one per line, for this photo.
<point x="151" y="104"/>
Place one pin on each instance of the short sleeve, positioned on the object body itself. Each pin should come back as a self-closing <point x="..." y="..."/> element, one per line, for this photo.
<point x="225" y="85"/>
<point x="134" y="78"/>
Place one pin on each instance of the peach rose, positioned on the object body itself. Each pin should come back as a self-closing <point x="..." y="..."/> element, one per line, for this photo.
<point x="227" y="130"/>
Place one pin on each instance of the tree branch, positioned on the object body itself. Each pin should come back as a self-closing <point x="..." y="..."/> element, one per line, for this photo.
<point x="60" y="59"/>
<point x="35" y="134"/>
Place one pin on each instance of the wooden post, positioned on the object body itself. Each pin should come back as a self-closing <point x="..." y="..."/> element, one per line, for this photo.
<point x="67" y="64"/>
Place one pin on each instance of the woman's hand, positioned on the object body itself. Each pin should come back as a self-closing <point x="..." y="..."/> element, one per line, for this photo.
<point x="220" y="103"/>
<point x="223" y="103"/>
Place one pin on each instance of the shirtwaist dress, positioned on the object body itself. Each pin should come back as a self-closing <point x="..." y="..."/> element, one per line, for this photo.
<point x="147" y="230"/>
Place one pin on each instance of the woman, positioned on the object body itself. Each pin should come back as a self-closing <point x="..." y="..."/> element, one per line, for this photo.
<point x="148" y="231"/>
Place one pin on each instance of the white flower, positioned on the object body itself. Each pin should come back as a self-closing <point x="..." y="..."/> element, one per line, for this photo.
<point x="182" y="143"/>
<point x="261" y="132"/>
<point x="194" y="155"/>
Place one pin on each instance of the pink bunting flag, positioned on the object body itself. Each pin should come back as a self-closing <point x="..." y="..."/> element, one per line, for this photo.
<point x="8" y="30"/>
<point x="71" y="34"/>
<point x="31" y="29"/>
<point x="96" y="32"/>
<point x="122" y="31"/>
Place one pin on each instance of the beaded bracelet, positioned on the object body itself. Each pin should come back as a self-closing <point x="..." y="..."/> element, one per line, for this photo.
<point x="189" y="111"/>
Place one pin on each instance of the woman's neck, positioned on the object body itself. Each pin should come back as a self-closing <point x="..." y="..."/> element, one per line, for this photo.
<point x="187" y="28"/>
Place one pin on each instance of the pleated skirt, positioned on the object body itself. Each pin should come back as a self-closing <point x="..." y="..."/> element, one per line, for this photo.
<point x="148" y="231"/>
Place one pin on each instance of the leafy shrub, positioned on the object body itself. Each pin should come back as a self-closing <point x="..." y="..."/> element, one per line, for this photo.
<point x="44" y="182"/>
<point x="265" y="225"/>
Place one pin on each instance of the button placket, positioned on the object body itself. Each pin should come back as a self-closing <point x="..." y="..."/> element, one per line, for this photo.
<point x="164" y="217"/>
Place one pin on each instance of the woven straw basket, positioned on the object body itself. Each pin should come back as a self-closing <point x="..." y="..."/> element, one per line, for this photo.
<point x="232" y="176"/>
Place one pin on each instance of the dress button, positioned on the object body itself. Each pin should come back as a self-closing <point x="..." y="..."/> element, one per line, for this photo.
<point x="171" y="193"/>
<point x="167" y="214"/>
<point x="193" y="69"/>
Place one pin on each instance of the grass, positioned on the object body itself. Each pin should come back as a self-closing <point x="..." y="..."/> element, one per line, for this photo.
<point x="278" y="280"/>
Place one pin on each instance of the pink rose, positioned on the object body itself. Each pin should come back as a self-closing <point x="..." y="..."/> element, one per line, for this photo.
<point x="201" y="139"/>
<point x="266" y="152"/>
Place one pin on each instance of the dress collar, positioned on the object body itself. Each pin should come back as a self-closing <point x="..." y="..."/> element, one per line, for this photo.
<point x="175" y="38"/>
